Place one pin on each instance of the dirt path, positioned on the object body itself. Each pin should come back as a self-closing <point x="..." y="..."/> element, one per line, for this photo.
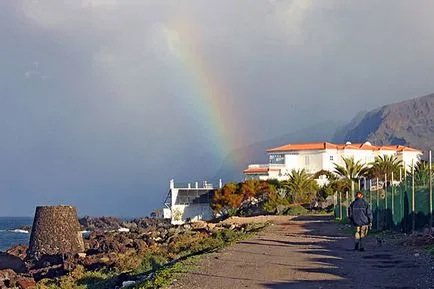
<point x="310" y="252"/>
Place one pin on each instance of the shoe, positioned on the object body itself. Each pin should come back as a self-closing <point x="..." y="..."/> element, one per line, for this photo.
<point x="362" y="249"/>
<point x="356" y="247"/>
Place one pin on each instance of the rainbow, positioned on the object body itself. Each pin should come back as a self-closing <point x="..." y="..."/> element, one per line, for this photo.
<point x="210" y="99"/>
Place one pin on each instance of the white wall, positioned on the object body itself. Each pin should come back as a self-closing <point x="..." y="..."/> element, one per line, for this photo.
<point x="314" y="161"/>
<point x="292" y="161"/>
<point x="408" y="158"/>
<point x="329" y="164"/>
<point x="196" y="212"/>
<point x="310" y="161"/>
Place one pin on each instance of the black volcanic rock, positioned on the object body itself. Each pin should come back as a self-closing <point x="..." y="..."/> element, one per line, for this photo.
<point x="409" y="123"/>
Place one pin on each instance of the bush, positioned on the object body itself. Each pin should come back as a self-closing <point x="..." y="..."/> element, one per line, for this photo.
<point x="227" y="235"/>
<point x="274" y="203"/>
<point x="296" y="210"/>
<point x="151" y="263"/>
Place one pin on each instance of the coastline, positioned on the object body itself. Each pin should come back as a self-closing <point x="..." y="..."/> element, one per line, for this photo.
<point x="118" y="251"/>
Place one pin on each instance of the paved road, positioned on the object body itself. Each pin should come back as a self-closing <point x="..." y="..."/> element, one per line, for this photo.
<point x="310" y="252"/>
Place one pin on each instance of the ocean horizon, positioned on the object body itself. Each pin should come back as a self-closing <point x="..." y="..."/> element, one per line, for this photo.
<point x="10" y="235"/>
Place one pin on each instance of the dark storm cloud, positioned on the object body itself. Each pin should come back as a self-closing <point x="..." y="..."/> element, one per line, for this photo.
<point x="96" y="104"/>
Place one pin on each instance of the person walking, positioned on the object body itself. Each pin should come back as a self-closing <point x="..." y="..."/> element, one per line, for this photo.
<point x="360" y="215"/>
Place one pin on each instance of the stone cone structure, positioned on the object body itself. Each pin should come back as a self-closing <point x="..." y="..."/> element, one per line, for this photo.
<point x="55" y="231"/>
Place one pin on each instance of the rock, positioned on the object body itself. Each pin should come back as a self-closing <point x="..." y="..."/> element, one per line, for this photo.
<point x="11" y="262"/>
<point x="10" y="279"/>
<point x="25" y="228"/>
<point x="45" y="261"/>
<point x="128" y="283"/>
<point x="7" y="278"/>
<point x="280" y="209"/>
<point x="187" y="227"/>
<point x="48" y="272"/>
<point x="26" y="283"/>
<point x="19" y="251"/>
<point x="199" y="225"/>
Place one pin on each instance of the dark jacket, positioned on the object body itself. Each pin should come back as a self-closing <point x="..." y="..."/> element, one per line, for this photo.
<point x="359" y="213"/>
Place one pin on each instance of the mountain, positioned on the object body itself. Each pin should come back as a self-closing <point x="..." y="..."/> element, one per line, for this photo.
<point x="409" y="122"/>
<point x="238" y="160"/>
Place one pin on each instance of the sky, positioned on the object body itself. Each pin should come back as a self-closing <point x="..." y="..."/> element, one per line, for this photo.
<point x="102" y="102"/>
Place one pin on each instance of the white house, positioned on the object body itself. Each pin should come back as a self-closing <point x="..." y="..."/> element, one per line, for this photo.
<point x="314" y="157"/>
<point x="188" y="203"/>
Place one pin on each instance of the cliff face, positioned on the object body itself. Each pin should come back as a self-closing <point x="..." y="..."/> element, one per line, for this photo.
<point x="409" y="122"/>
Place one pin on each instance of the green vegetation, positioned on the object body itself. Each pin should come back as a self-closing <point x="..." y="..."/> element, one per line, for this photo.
<point x="81" y="279"/>
<point x="159" y="263"/>
<point x="269" y="197"/>
<point x="301" y="186"/>
<point x="296" y="210"/>
<point x="164" y="277"/>
<point x="352" y="170"/>
<point x="385" y="166"/>
<point x="430" y="249"/>
<point x="422" y="174"/>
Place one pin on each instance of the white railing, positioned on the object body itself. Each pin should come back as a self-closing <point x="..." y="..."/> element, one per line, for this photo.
<point x="266" y="166"/>
<point x="194" y="185"/>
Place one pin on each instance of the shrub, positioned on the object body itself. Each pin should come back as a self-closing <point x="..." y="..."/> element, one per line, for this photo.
<point x="274" y="203"/>
<point x="151" y="263"/>
<point x="296" y="210"/>
<point x="227" y="235"/>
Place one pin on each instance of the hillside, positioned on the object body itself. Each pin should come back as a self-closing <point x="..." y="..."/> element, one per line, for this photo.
<point x="409" y="122"/>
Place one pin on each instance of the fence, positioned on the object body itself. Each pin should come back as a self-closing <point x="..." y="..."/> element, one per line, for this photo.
<point x="405" y="207"/>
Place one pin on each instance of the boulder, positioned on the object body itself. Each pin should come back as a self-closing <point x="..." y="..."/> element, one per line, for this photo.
<point x="19" y="251"/>
<point x="10" y="279"/>
<point x="13" y="263"/>
<point x="7" y="278"/>
<point x="26" y="283"/>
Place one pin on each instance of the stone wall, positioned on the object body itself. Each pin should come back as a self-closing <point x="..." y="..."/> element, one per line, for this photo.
<point x="55" y="231"/>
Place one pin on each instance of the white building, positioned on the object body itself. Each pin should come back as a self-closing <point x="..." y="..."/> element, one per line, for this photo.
<point x="189" y="203"/>
<point x="314" y="157"/>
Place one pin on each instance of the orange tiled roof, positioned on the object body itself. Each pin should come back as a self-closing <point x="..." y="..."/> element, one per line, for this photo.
<point x="326" y="145"/>
<point x="259" y="170"/>
<point x="304" y="146"/>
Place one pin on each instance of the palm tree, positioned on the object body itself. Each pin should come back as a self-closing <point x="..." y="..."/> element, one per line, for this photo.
<point x="301" y="186"/>
<point x="351" y="170"/>
<point x="330" y="176"/>
<point x="422" y="173"/>
<point x="384" y="166"/>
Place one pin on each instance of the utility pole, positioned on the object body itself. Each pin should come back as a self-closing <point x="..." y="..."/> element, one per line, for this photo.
<point x="413" y="227"/>
<point x="430" y="192"/>
<point x="378" y="206"/>
<point x="393" y="197"/>
<point x="385" y="188"/>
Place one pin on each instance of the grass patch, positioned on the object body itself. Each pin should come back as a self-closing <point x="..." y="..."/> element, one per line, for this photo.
<point x="430" y="249"/>
<point x="81" y="279"/>
<point x="160" y="265"/>
<point x="165" y="276"/>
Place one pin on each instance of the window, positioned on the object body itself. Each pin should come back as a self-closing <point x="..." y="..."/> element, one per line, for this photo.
<point x="193" y="196"/>
<point x="331" y="158"/>
<point x="306" y="161"/>
<point x="277" y="159"/>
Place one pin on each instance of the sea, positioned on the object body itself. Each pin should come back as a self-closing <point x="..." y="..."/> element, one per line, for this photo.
<point x="10" y="234"/>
